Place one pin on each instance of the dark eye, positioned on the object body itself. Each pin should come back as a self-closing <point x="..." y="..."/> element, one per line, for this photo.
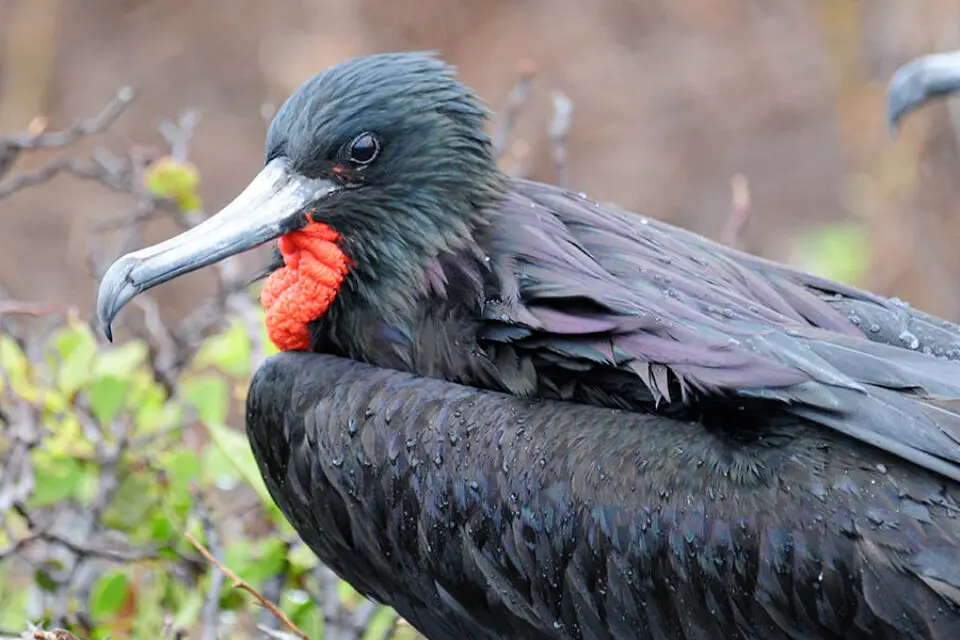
<point x="364" y="149"/>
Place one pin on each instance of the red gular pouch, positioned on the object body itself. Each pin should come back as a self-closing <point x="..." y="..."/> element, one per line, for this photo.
<point x="304" y="288"/>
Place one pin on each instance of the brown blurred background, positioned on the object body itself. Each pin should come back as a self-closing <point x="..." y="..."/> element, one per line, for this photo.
<point x="671" y="99"/>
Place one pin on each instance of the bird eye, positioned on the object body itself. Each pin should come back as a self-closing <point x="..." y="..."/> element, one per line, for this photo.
<point x="364" y="149"/>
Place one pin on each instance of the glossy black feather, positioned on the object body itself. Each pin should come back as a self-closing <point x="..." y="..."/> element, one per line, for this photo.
<point x="483" y="515"/>
<point x="694" y="320"/>
<point x="561" y="297"/>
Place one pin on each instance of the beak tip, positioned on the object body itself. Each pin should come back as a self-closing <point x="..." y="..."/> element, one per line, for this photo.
<point x="116" y="290"/>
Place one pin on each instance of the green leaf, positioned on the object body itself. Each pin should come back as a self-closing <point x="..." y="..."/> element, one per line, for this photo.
<point x="14" y="596"/>
<point x="837" y="251"/>
<point x="13" y="361"/>
<point x="234" y="444"/>
<point x="301" y="558"/>
<point x="134" y="499"/>
<point x="174" y="179"/>
<point x="255" y="561"/>
<point x="161" y="529"/>
<point x="108" y="594"/>
<point x="181" y="466"/>
<point x="189" y="611"/>
<point x="152" y="412"/>
<point x="76" y="348"/>
<point x="380" y="624"/>
<point x="45" y="581"/>
<point x="229" y="351"/>
<point x="209" y="395"/>
<point x="218" y="468"/>
<point x="56" y="478"/>
<point x="106" y="397"/>
<point x="304" y="612"/>
<point x="121" y="361"/>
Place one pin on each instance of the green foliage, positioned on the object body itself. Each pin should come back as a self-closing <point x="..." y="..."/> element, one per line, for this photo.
<point x="838" y="251"/>
<point x="109" y="593"/>
<point x="183" y="455"/>
<point x="171" y="178"/>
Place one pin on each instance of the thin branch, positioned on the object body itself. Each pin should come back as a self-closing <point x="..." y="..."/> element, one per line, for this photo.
<point x="739" y="211"/>
<point x="211" y="603"/>
<point x="239" y="583"/>
<point x="34" y="309"/>
<point x="11" y="146"/>
<point x="85" y="549"/>
<point x="559" y="128"/>
<point x="77" y="130"/>
<point x="516" y="101"/>
<point x="53" y="634"/>
<point x="179" y="135"/>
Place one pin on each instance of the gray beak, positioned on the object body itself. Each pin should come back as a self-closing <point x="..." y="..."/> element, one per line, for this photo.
<point x="273" y="204"/>
<point x="920" y="80"/>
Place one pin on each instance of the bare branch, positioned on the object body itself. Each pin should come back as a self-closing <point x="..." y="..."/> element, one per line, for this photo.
<point x="211" y="603"/>
<point x="179" y="135"/>
<point x="739" y="211"/>
<point x="79" y="129"/>
<point x="559" y="128"/>
<point x="17" y="308"/>
<point x="12" y="145"/>
<point x="516" y="100"/>
<point x="239" y="583"/>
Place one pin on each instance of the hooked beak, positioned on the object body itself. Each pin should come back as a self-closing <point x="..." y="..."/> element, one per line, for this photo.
<point x="920" y="80"/>
<point x="273" y="204"/>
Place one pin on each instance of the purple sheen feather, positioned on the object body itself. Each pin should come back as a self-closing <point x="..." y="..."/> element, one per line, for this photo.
<point x="556" y="321"/>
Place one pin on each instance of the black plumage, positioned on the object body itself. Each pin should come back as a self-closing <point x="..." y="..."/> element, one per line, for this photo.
<point x="482" y="515"/>
<point x="801" y="424"/>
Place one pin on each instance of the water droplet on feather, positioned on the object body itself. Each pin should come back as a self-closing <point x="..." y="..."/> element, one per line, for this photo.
<point x="909" y="339"/>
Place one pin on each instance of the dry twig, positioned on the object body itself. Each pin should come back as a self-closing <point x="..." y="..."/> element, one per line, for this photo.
<point x="559" y="128"/>
<point x="240" y="583"/>
<point x="516" y="100"/>
<point x="12" y="146"/>
<point x="739" y="211"/>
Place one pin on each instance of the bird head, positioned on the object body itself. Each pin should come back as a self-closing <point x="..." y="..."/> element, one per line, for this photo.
<point x="371" y="168"/>
<point x="921" y="80"/>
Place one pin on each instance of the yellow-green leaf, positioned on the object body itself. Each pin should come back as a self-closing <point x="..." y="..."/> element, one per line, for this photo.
<point x="56" y="478"/>
<point x="209" y="395"/>
<point x="229" y="351"/>
<point x="171" y="178"/>
<point x="106" y="397"/>
<point x="76" y="348"/>
<point x="837" y="251"/>
<point x="13" y="361"/>
<point x="189" y="610"/>
<point x="122" y="360"/>
<point x="234" y="444"/>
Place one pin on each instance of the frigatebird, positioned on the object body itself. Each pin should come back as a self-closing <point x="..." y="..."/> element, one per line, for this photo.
<point x="510" y="411"/>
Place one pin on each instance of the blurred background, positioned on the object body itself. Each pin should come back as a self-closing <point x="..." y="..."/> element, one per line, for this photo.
<point x="695" y="112"/>
<point x="671" y="99"/>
